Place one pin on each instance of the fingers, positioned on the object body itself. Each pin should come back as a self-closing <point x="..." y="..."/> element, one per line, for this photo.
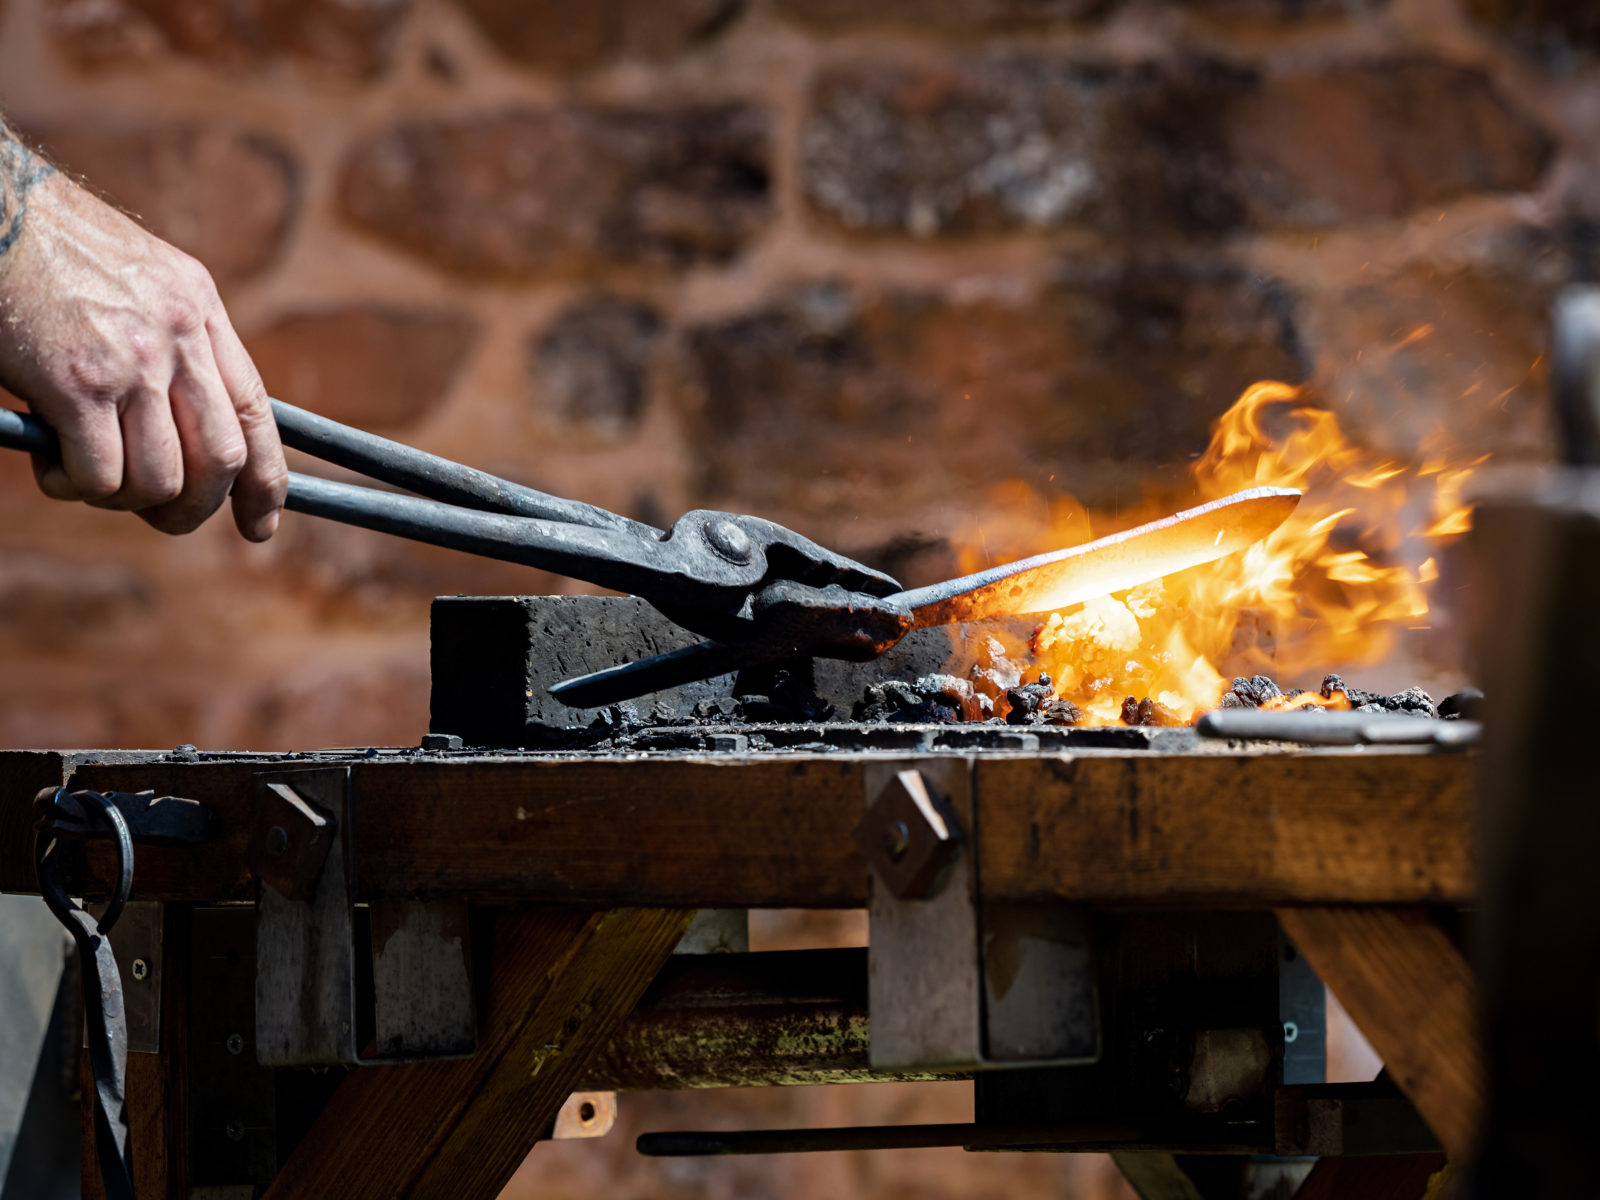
<point x="152" y="458"/>
<point x="91" y="456"/>
<point x="212" y="444"/>
<point x="259" y="490"/>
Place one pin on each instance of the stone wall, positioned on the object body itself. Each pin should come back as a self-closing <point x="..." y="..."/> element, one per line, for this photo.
<point x="849" y="265"/>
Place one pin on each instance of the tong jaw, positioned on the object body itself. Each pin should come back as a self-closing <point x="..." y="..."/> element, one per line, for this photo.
<point x="781" y="588"/>
<point x="743" y="551"/>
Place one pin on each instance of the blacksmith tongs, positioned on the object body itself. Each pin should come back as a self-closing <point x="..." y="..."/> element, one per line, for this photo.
<point x="740" y="580"/>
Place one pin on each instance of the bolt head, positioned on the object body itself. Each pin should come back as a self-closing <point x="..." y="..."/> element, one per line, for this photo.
<point x="896" y="840"/>
<point x="910" y="835"/>
<point x="277" y="841"/>
<point x="728" y="540"/>
<point x="234" y="1130"/>
<point x="235" y="1043"/>
<point x="139" y="969"/>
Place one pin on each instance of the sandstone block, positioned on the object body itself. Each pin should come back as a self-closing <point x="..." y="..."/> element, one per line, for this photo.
<point x="952" y="16"/>
<point x="371" y="365"/>
<point x="591" y="365"/>
<point x="226" y="195"/>
<point x="962" y="17"/>
<point x="989" y="145"/>
<point x="1280" y="10"/>
<point x="826" y="400"/>
<point x="525" y="192"/>
<point x="341" y="36"/>
<point x="1428" y="361"/>
<point x="1554" y="23"/>
<point x="572" y="35"/>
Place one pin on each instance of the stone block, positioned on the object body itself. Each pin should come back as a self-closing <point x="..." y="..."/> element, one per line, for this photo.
<point x="494" y="659"/>
<point x="1552" y="25"/>
<point x="827" y="400"/>
<point x="343" y="38"/>
<point x="950" y="16"/>
<point x="574" y="35"/>
<point x="980" y="17"/>
<point x="591" y="364"/>
<point x="226" y="194"/>
<point x="1156" y="149"/>
<point x="369" y="365"/>
<point x="526" y="191"/>
<point x="1453" y="360"/>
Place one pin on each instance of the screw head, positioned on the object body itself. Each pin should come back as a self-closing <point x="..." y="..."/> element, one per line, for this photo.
<point x="235" y="1043"/>
<point x="277" y="841"/>
<point x="896" y="840"/>
<point x="909" y="835"/>
<point x="728" y="540"/>
<point x="139" y="969"/>
<point x="234" y="1130"/>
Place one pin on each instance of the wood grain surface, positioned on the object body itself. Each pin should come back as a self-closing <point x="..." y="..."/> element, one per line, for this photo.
<point x="1392" y="827"/>
<point x="1410" y="991"/>
<point x="562" y="979"/>
<point x="1217" y="828"/>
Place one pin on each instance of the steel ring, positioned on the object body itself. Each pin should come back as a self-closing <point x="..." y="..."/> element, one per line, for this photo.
<point x="50" y="886"/>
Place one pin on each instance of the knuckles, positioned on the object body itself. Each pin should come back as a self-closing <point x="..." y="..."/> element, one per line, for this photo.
<point x="230" y="457"/>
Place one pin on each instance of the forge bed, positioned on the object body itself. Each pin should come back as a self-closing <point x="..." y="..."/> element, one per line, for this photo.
<point x="1195" y="873"/>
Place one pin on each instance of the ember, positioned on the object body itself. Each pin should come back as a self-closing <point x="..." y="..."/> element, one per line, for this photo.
<point x="1337" y="584"/>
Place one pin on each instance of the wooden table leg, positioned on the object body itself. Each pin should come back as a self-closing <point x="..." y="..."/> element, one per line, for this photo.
<point x="562" y="979"/>
<point x="1410" y="992"/>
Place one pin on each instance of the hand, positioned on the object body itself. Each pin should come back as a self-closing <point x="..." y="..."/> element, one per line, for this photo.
<point x="120" y="342"/>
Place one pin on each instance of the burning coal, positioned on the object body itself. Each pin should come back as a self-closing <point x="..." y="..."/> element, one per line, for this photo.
<point x="1338" y="583"/>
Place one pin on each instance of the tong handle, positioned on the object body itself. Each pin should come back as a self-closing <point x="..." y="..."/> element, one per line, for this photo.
<point x="20" y="431"/>
<point x="437" y="478"/>
<point x="381" y="459"/>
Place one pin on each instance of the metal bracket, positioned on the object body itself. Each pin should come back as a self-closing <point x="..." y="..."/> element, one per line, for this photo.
<point x="305" y="947"/>
<point x="923" y="989"/>
<point x="310" y="1008"/>
<point x="290" y="840"/>
<point x="953" y="984"/>
<point x="137" y="947"/>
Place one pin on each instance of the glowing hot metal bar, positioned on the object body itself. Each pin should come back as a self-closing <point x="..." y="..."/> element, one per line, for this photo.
<point x="1033" y="585"/>
<point x="1052" y="581"/>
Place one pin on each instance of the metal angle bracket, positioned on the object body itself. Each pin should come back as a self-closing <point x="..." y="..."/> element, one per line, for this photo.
<point x="314" y="1005"/>
<point x="305" y="919"/>
<point x="137" y="947"/>
<point x="954" y="984"/>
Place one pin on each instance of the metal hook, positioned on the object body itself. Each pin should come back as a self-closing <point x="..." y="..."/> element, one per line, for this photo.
<point x="106" y="1020"/>
<point x="55" y="895"/>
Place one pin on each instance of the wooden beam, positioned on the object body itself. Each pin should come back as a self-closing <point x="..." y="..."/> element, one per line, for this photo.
<point x="1410" y="991"/>
<point x="1212" y="827"/>
<point x="1258" y="828"/>
<point x="1385" y="1177"/>
<point x="562" y="980"/>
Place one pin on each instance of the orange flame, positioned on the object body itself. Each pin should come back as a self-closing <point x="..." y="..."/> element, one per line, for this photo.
<point x="1332" y="586"/>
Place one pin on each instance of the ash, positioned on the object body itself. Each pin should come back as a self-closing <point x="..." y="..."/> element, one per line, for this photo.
<point x="1260" y="690"/>
<point x="947" y="699"/>
<point x="787" y="696"/>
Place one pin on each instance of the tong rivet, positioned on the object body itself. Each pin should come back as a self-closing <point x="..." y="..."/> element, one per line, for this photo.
<point x="728" y="540"/>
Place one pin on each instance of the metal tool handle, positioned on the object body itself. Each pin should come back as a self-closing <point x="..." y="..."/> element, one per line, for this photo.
<point x="19" y="431"/>
<point x="381" y="459"/>
<point x="584" y="542"/>
<point x="437" y="478"/>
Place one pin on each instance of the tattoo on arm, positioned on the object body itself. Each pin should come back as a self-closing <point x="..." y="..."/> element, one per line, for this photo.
<point x="21" y="170"/>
